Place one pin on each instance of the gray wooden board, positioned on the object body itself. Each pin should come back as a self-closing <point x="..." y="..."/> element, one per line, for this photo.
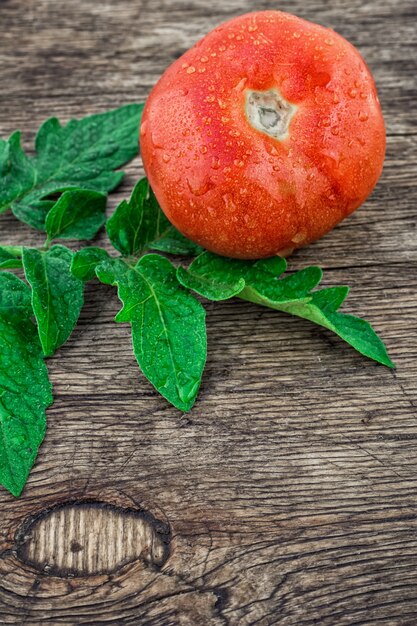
<point x="288" y="495"/>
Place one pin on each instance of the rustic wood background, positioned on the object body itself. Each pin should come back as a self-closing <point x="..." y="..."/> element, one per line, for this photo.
<point x="288" y="496"/>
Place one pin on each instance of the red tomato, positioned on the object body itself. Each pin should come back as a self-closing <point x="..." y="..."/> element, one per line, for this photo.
<point x="263" y="136"/>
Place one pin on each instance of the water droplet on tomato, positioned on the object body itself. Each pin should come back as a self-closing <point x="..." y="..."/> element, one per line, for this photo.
<point x="199" y="186"/>
<point x="299" y="237"/>
<point x="241" y="85"/>
<point x="271" y="149"/>
<point x="228" y="202"/>
<point x="155" y="142"/>
<point x="322" y="78"/>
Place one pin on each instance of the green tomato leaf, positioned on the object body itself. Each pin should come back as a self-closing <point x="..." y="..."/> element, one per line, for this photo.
<point x="140" y="224"/>
<point x="17" y="173"/>
<point x="57" y="295"/>
<point x="78" y="214"/>
<point x="10" y="257"/>
<point x="331" y="298"/>
<point x="355" y="331"/>
<point x="168" y="325"/>
<point x="218" y="278"/>
<point x="359" y="334"/>
<point x="214" y="277"/>
<point x="265" y="269"/>
<point x="136" y="222"/>
<point x="82" y="154"/>
<point x="15" y="298"/>
<point x="171" y="241"/>
<point x="295" y="287"/>
<point x="25" y="390"/>
<point x="85" y="261"/>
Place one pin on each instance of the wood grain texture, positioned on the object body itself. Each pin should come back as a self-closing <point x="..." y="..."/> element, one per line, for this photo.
<point x="289" y="492"/>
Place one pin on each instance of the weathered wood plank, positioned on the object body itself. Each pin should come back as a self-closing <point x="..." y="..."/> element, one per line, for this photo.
<point x="288" y="493"/>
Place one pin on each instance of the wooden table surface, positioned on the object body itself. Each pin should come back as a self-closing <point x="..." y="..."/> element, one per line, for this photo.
<point x="288" y="496"/>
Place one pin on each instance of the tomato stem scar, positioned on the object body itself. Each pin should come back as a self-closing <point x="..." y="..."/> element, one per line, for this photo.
<point x="269" y="112"/>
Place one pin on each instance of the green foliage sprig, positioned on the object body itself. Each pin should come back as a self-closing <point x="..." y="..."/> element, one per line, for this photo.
<point x="62" y="191"/>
